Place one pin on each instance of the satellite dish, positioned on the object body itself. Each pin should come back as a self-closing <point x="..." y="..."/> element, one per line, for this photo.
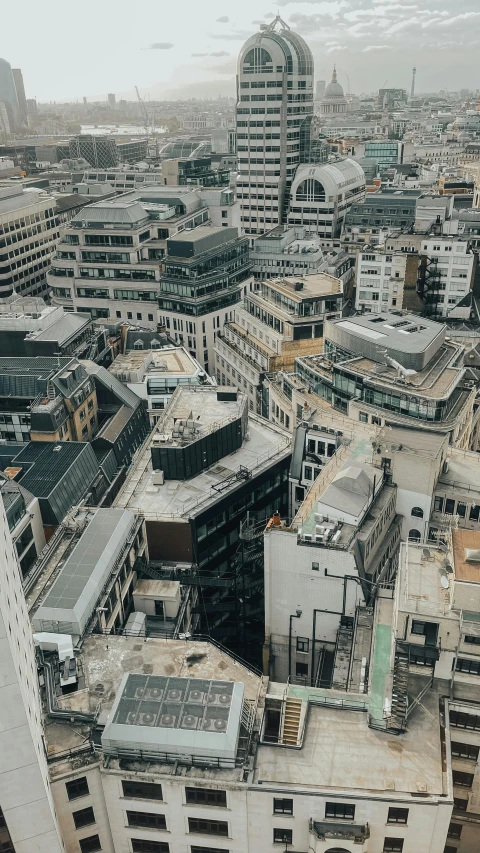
<point x="444" y="581"/>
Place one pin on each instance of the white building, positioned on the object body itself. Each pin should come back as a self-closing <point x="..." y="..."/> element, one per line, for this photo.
<point x="29" y="234"/>
<point x="28" y="822"/>
<point x="447" y="274"/>
<point x="334" y="101"/>
<point x="274" y="114"/>
<point x="379" y="280"/>
<point x="321" y="196"/>
<point x="153" y="374"/>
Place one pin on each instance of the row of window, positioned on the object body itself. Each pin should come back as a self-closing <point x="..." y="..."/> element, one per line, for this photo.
<point x="451" y="507"/>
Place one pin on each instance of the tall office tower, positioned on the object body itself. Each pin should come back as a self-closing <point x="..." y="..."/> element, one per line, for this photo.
<point x="274" y="115"/>
<point x="111" y="100"/>
<point x="20" y="89"/>
<point x="8" y="92"/>
<point x="27" y="816"/>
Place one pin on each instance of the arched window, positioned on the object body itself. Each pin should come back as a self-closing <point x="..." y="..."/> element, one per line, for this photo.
<point x="414" y="535"/>
<point x="257" y="59"/>
<point x="417" y="511"/>
<point x="310" y="190"/>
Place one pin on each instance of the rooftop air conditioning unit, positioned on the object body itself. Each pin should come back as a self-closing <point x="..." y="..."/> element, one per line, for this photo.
<point x="158" y="478"/>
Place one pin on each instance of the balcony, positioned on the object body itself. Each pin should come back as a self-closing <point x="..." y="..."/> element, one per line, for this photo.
<point x="351" y="836"/>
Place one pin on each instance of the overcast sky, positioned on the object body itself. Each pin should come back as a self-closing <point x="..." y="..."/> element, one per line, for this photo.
<point x="187" y="48"/>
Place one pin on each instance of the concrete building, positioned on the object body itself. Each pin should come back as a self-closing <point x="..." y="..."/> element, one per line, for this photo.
<point x="277" y="321"/>
<point x="8" y="94"/>
<point x="322" y="196"/>
<point x="29" y="234"/>
<point x="295" y="251"/>
<point x="24" y="520"/>
<point x="342" y="542"/>
<point x="24" y="779"/>
<point x="385" y="376"/>
<point x="30" y="327"/>
<point x="392" y="208"/>
<point x="435" y="279"/>
<point x="154" y="374"/>
<point x="206" y="272"/>
<point x="206" y="464"/>
<point x="274" y="115"/>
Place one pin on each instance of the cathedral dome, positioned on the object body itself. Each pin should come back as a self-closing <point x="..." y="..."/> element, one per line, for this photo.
<point x="334" y="89"/>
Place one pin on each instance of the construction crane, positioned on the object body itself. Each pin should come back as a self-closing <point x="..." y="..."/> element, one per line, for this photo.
<point x="144" y="111"/>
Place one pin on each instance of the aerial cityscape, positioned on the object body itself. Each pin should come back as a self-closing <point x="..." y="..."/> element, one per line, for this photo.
<point x="240" y="428"/>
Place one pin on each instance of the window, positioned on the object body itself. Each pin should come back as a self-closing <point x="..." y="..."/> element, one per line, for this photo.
<point x="84" y="817"/>
<point x="472" y="667"/>
<point x="461" y="720"/>
<point x="196" y="849"/>
<point x="308" y="472"/>
<point x="302" y="644"/>
<point x="283" y="836"/>
<point x="340" y="811"/>
<point x="473" y="640"/>
<point x="460" y="804"/>
<point x="438" y="504"/>
<point x="454" y="830"/>
<point x="150" y="317"/>
<point x="464" y="750"/>
<point x="146" y="820"/>
<point x="393" y="845"/>
<point x="142" y="845"/>
<point x="90" y="844"/>
<point x="205" y="797"/>
<point x="463" y="780"/>
<point x="363" y="417"/>
<point x="417" y="511"/>
<point x="77" y="788"/>
<point x="397" y="815"/>
<point x="474" y="512"/>
<point x="315" y="567"/>
<point x="449" y="506"/>
<point x="301" y="670"/>
<point x="141" y="790"/>
<point x="283" y="806"/>
<point x="208" y="827"/>
<point x="461" y="509"/>
<point x="414" y="534"/>
<point x="447" y="849"/>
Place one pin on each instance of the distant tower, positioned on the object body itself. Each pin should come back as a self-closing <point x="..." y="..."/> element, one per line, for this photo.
<point x="412" y="90"/>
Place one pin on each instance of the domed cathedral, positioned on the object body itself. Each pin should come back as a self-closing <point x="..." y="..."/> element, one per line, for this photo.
<point x="274" y="115"/>
<point x="334" y="100"/>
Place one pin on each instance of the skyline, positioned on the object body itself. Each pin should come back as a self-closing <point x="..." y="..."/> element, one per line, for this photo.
<point x="372" y="43"/>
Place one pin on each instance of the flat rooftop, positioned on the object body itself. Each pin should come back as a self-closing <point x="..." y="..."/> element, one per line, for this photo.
<point x="399" y="331"/>
<point x="106" y="659"/>
<point x="463" y="472"/>
<point x="466" y="555"/>
<point x="168" y="360"/>
<point x="195" y="411"/>
<point x="425" y="584"/>
<point x="317" y="284"/>
<point x="338" y="748"/>
<point x="180" y="498"/>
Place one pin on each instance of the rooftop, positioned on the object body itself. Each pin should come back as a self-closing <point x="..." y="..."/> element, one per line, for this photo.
<point x="76" y="589"/>
<point x="194" y="412"/>
<point x="396" y="330"/>
<point x="46" y="463"/>
<point x="425" y="579"/>
<point x="106" y="659"/>
<point x="337" y="755"/>
<point x="168" y="360"/>
<point x="181" y="498"/>
<point x="302" y="287"/>
<point x="466" y="555"/>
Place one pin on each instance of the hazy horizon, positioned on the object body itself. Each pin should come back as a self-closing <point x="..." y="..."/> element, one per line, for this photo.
<point x="181" y="55"/>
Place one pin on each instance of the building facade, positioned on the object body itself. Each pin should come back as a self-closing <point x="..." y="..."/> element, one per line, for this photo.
<point x="274" y="115"/>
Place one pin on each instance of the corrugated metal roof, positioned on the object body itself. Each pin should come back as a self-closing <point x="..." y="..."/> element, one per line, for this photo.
<point x="48" y="465"/>
<point x="77" y="588"/>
